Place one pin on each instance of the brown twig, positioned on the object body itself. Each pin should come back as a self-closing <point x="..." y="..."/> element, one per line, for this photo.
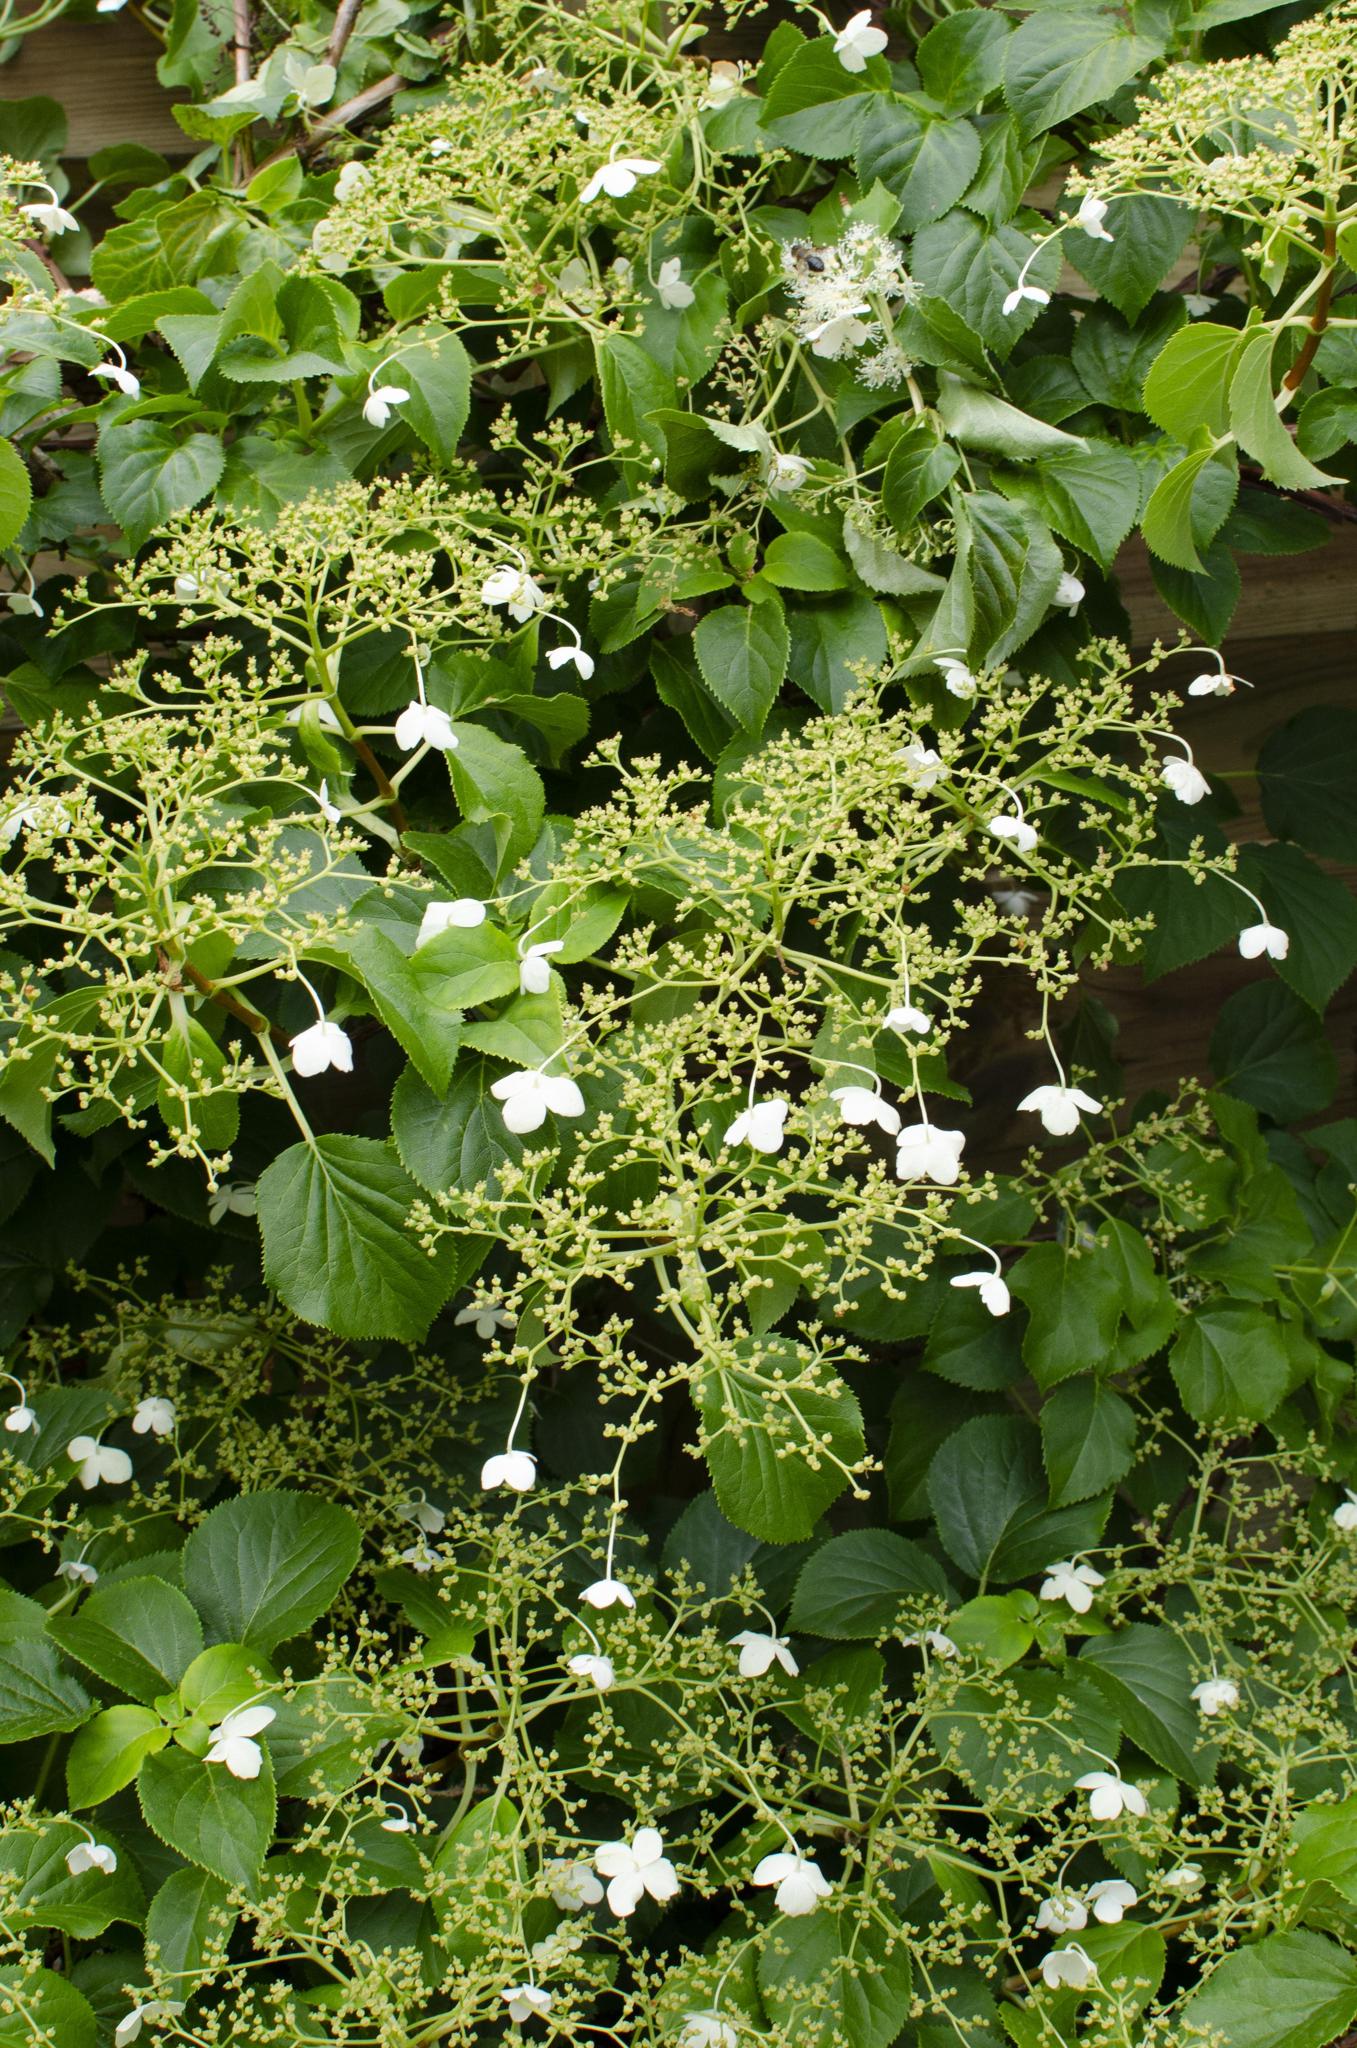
<point x="243" y="154"/>
<point x="343" y="29"/>
<point x="382" y="780"/>
<point x="1319" y="318"/>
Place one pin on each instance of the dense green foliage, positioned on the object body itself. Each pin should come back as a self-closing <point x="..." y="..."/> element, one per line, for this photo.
<point x="578" y="736"/>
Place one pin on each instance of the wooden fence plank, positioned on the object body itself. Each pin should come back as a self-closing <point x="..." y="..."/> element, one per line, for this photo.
<point x="103" y="73"/>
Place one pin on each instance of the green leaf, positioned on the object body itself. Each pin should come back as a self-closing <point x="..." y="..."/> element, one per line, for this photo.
<point x="463" y="967"/>
<point x="332" y="1214"/>
<point x="1315" y="908"/>
<point x="16" y="493"/>
<point x="633" y="387"/>
<point x="1091" y="496"/>
<point x="38" y="2009"/>
<point x="1256" y="424"/>
<point x="1307" y="772"/>
<point x="1324" y="1845"/>
<point x="1206" y="601"/>
<point x="988" y="1495"/>
<point x="970" y="1347"/>
<point x="742" y="653"/>
<point x="436" y="370"/>
<point x="495" y="783"/>
<point x="854" y="1585"/>
<point x="1168" y="522"/>
<point x="777" y="1432"/>
<point x="419" y="1011"/>
<point x="456" y="1143"/>
<point x="1148" y="1677"/>
<point x="801" y="561"/>
<point x="927" y="161"/>
<point x="108" y="1752"/>
<point x="1188" y="385"/>
<point x="1088" y="1435"/>
<point x="36" y="1696"/>
<point x="1060" y="61"/>
<point x="816" y="105"/>
<point x="974" y="267"/>
<point x="918" y="469"/>
<point x="261" y="1567"/>
<point x="1149" y="233"/>
<point x="1013" y="566"/>
<point x="829" y="642"/>
<point x="148" y="475"/>
<point x="840" y="1974"/>
<point x="1295" y="1990"/>
<point x="1270" y="1049"/>
<point x="1024" y="1738"/>
<point x="189" y="1916"/>
<point x="222" y="1823"/>
<point x="998" y="1627"/>
<point x="1073" y="1299"/>
<point x="961" y="59"/>
<point x="977" y="419"/>
<point x="139" y="1634"/>
<point x="1230" y="1364"/>
<point x="41" y="1892"/>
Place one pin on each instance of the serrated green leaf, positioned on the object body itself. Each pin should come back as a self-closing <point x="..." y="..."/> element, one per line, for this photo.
<point x="261" y="1567"/>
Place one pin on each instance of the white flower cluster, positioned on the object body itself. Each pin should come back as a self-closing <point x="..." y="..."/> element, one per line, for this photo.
<point x="842" y="295"/>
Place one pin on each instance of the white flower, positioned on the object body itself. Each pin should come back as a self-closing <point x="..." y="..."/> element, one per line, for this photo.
<point x="78" y="1572"/>
<point x="378" y="403"/>
<point x="24" y="605"/>
<point x="516" y="1470"/>
<point x="528" y="1094"/>
<point x="423" y="1514"/>
<point x="53" y="220"/>
<point x="91" y="1856"/>
<point x="634" y="1868"/>
<point x="857" y="42"/>
<point x="424" y="725"/>
<point x="707" y="2030"/>
<point x="1022" y="835"/>
<point x="866" y="1106"/>
<point x="1184" y="1877"/>
<point x="464" y="913"/>
<point x="958" y="678"/>
<point x="1068" y="1966"/>
<point x="119" y="374"/>
<point x="232" y="1198"/>
<point x="575" y="657"/>
<point x="1110" y="1898"/>
<point x="98" y="1463"/>
<point x="618" y="177"/>
<point x="723" y="80"/>
<point x="597" y="1669"/>
<point x="110" y="6"/>
<point x="487" y="1318"/>
<point x="907" y="1017"/>
<point x="156" y="1415"/>
<point x="1344" y="1516"/>
<point x="1109" y="1795"/>
<point x="760" y="1125"/>
<point x="991" y="1288"/>
<point x="534" y="968"/>
<point x="674" y="293"/>
<point x="523" y="2000"/>
<point x="324" y="710"/>
<point x="933" y="1639"/>
<point x="785" y="472"/>
<point x="1059" y="1107"/>
<point x="330" y="812"/>
<point x="1198" y="304"/>
<point x="1215" y="683"/>
<point x="606" y="1593"/>
<point x="421" y="1557"/>
<point x="186" y="588"/>
<point x="1090" y="218"/>
<point x="20" y="1419"/>
<point x="800" y="1884"/>
<point x="1264" y="938"/>
<point x="397" y="1822"/>
<point x="1017" y="902"/>
<point x="352" y="180"/>
<point x="573" y="1886"/>
<point x="924" y="1152"/>
<point x="1186" y="780"/>
<point x="233" y="1741"/>
<point x="1072" y="1583"/>
<point x="1069" y="593"/>
<point x="923" y="765"/>
<point x="1216" y="1696"/>
<point x="1062" y="1913"/>
<point x="321" y="1045"/>
<point x="129" y="2029"/>
<point x="1026" y="291"/>
<point x="513" y="588"/>
<point x="840" y="334"/>
<point x="758" y="1653"/>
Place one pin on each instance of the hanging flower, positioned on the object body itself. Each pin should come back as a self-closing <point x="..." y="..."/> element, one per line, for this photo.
<point x="1062" y="1913"/>
<point x="1215" y="1696"/>
<point x="907" y="1017"/>
<point x="674" y="293"/>
<point x="512" y="587"/>
<point x="528" y="1094"/>
<point x="129" y="2029"/>
<point x="785" y="473"/>
<point x="1059" y="1107"/>
<point x="800" y="1883"/>
<point x="723" y="82"/>
<point x="99" y="1465"/>
<point x="1068" y="1966"/>
<point x="233" y="1742"/>
<point x="119" y="374"/>
<point x="330" y="812"/>
<point x="397" y="1822"/>
<point x="232" y="1198"/>
<point x="77" y="1572"/>
<point x="1026" y="291"/>
<point x="760" y="1126"/>
<point x="932" y="1639"/>
<point x="1111" y="1898"/>
<point x="863" y="1106"/>
<point x="516" y="1470"/>
<point x="991" y="1288"/>
<point x="1109" y="1795"/>
<point x="523" y="2000"/>
<point x="1216" y="682"/>
<point x="573" y="1886"/>
<point x="424" y="725"/>
<point x="1073" y="1583"/>
<point x="925" y="1152"/>
<point x="1016" y="830"/>
<point x="1257" y="939"/>
<point x="575" y="656"/>
<point x="608" y="1592"/>
<point x="634" y="1869"/>
<point x="91" y="1855"/>
<point x="1069" y="593"/>
<point x="1344" y="1516"/>
<point x="156" y="1415"/>
<point x="618" y="177"/>
<point x="20" y="1419"/>
<point x="858" y="41"/>
<point x="53" y="220"/>
<point x="379" y="402"/>
<point x="1198" y="304"/>
<point x="1092" y="212"/>
<point x="759" y="1653"/>
<point x="421" y="1557"/>
<point x="707" y="2030"/>
<point x="487" y="1318"/>
<point x="534" y="968"/>
<point x="1184" y="1877"/>
<point x="320" y="1046"/>
<point x="464" y="913"/>
<point x="1185" y="779"/>
<point x="958" y="678"/>
<point x="24" y="605"/>
<point x="423" y="1514"/>
<point x="923" y="765"/>
<point x="598" y="1669"/>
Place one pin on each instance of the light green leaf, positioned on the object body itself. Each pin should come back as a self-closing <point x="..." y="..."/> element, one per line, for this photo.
<point x="261" y="1567"/>
<point x="455" y="1143"/>
<point x="148" y="475"/>
<point x="16" y="493"/>
<point x="742" y="655"/>
<point x="1256" y="423"/>
<point x="1149" y="232"/>
<point x="436" y="370"/>
<point x="918" y="469"/>
<point x="1295" y="1990"/>
<point x="139" y="1634"/>
<point x="222" y="1823"/>
<point x="961" y="59"/>
<point x="801" y="561"/>
<point x="1061" y="60"/>
<point x="829" y="642"/>
<point x="1188" y="384"/>
<point x="108" y="1752"/>
<point x="495" y="783"/>
<point x="977" y="419"/>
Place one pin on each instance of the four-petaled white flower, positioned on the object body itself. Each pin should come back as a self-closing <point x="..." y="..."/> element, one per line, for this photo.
<point x="958" y="678"/>
<point x="1073" y="1583"/>
<point x="154" y="1415"/>
<point x="925" y="1152"/>
<point x="596" y="1668"/>
<point x="378" y="404"/>
<point x="1184" y="1877"/>
<point x="932" y="1639"/>
<point x="98" y="1463"/>
<point x="1068" y="1966"/>
<point x="1059" y="1107"/>
<point x="907" y="1017"/>
<point x="423" y="1514"/>
<point x="1026" y="291"/>
<point x="523" y="2000"/>
<point x="858" y="41"/>
<point x="24" y="605"/>
<point x="487" y="1318"/>
<point x="52" y="219"/>
<point x="1257" y="939"/>
<point x="1062" y="1913"/>
<point x="464" y="913"/>
<point x="91" y="1856"/>
<point x="618" y="177"/>
<point x="923" y="765"/>
<point x="129" y="2028"/>
<point x="1092" y="212"/>
<point x="1185" y="779"/>
<point x="514" y="589"/>
<point x="1021" y="835"/>
<point x="233" y="1198"/>
<point x="421" y="1557"/>
<point x="634" y="1868"/>
<point x="1110" y="1899"/>
<point x="573" y="1886"/>
<point x="528" y="1094"/>
<point x="1109" y="1795"/>
<point x="321" y="1045"/>
<point x="760" y="1126"/>
<point x="609" y="1592"/>
<point x="1069" y="593"/>
<point x="534" y="968"/>
<point x="785" y="472"/>
<point x="707" y="2030"/>
<point x="723" y="80"/>
<point x="233" y="1742"/>
<point x="1344" y="1516"/>
<point x="840" y="334"/>
<point x="674" y="293"/>
<point x="800" y="1882"/>
<point x="119" y="374"/>
<point x="758" y="1653"/>
<point x="20" y="1419"/>
<point x="866" y="1106"/>
<point x="1217" y="682"/>
<point x="424" y="725"/>
<point x="77" y="1572"/>
<point x="575" y="656"/>
<point x="990" y="1286"/>
<point x="516" y="1470"/>
<point x="1215" y="1696"/>
<point x="1198" y="304"/>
